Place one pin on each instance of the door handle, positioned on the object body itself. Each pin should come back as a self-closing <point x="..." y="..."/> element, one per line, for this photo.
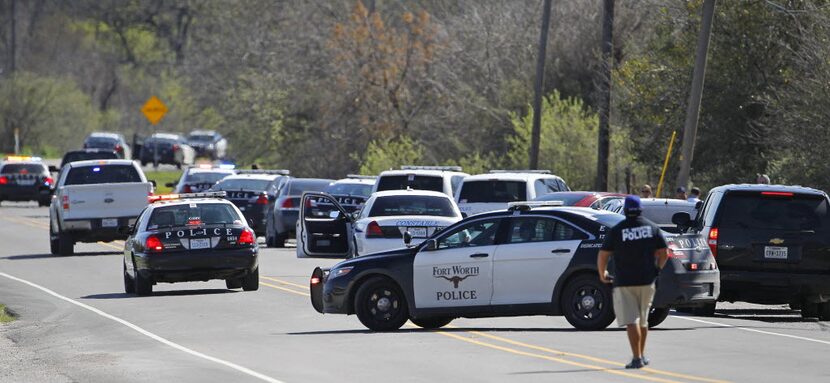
<point x="561" y="251"/>
<point x="479" y="255"/>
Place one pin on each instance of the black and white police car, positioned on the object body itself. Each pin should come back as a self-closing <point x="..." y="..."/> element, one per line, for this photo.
<point x="190" y="237"/>
<point x="530" y="259"/>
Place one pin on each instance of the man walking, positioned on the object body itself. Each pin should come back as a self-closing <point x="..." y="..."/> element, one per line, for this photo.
<point x="639" y="252"/>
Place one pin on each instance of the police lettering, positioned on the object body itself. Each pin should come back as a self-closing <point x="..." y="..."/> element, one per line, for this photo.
<point x="635" y="233"/>
<point x="455" y="295"/>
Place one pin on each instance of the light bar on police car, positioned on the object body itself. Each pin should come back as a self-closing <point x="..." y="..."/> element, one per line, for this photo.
<point x="527" y="205"/>
<point x="360" y="177"/>
<point x="22" y="158"/>
<point x="444" y="168"/>
<point x="173" y="197"/>
<point x="283" y="172"/>
<point x="532" y="171"/>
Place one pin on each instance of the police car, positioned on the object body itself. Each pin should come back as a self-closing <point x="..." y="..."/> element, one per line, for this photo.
<point x="493" y="191"/>
<point x="387" y="218"/>
<point x="254" y="193"/>
<point x="353" y="191"/>
<point x="528" y="260"/>
<point x="25" y="178"/>
<point x="190" y="237"/>
<point x="201" y="177"/>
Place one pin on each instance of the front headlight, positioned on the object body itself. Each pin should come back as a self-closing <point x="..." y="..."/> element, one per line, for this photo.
<point x="340" y="271"/>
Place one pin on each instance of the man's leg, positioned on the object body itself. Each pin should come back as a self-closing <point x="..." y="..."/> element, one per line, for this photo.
<point x="643" y="334"/>
<point x="634" y="340"/>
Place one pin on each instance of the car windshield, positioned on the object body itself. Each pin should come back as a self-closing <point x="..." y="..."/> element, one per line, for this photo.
<point x="412" y="205"/>
<point x="200" y="137"/>
<point x="362" y="190"/>
<point x="190" y="214"/>
<point x="242" y="184"/>
<point x="23" y="168"/>
<point x="493" y="191"/>
<point x="795" y="212"/>
<point x="101" y="142"/>
<point x="82" y="156"/>
<point x="102" y="174"/>
<point x="609" y="220"/>
<point x="205" y="177"/>
<point x="568" y="199"/>
<point x="298" y="187"/>
<point x="413" y="181"/>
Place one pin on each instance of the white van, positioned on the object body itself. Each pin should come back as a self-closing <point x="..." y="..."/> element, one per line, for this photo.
<point x="493" y="191"/>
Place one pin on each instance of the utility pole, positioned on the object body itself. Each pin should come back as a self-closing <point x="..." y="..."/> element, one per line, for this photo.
<point x="540" y="80"/>
<point x="693" y="109"/>
<point x="605" y="95"/>
<point x="13" y="43"/>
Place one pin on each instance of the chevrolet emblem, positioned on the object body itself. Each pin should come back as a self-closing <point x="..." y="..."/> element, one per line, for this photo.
<point x="776" y="241"/>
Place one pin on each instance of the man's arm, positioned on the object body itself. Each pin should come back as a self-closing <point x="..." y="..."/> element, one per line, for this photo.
<point x="662" y="256"/>
<point x="602" y="265"/>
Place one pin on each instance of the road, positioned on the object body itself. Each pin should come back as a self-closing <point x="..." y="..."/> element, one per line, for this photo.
<point x="76" y="324"/>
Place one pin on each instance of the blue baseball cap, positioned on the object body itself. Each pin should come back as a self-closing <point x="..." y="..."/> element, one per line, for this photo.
<point x="632" y="205"/>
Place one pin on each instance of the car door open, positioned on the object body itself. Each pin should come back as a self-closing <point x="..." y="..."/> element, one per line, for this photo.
<point x="326" y="228"/>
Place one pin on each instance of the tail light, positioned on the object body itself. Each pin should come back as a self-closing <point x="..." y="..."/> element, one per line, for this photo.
<point x="4" y="180"/>
<point x="288" y="203"/>
<point x="119" y="148"/>
<point x="674" y="253"/>
<point x="176" y="147"/>
<point x="187" y="189"/>
<point x="65" y="202"/>
<point x="48" y="181"/>
<point x="713" y="241"/>
<point x="247" y="237"/>
<point x="153" y="243"/>
<point x="262" y="200"/>
<point x="373" y="230"/>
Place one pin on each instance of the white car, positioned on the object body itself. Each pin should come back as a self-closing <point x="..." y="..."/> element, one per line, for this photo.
<point x="492" y="191"/>
<point x="379" y="226"/>
<point x="444" y="179"/>
<point x="661" y="210"/>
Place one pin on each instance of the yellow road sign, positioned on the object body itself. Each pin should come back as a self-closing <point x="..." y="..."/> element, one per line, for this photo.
<point x="154" y="110"/>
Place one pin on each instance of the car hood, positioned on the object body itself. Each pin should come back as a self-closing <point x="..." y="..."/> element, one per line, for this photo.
<point x="374" y="257"/>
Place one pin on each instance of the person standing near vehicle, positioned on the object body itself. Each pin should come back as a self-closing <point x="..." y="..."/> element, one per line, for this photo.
<point x="645" y="191"/>
<point x="694" y="195"/>
<point x="639" y="252"/>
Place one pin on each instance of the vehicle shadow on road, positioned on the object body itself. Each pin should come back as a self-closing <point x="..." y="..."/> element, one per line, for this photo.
<point x="174" y="293"/>
<point x="562" y="371"/>
<point x="38" y="256"/>
<point x="762" y="315"/>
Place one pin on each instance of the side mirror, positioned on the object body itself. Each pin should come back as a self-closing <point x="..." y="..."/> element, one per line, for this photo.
<point x="356" y="215"/>
<point x="432" y="245"/>
<point x="125" y="230"/>
<point x="334" y="214"/>
<point x="464" y="215"/>
<point x="698" y="205"/>
<point x="682" y="219"/>
<point x="169" y="184"/>
<point x="153" y="182"/>
<point x="53" y="169"/>
<point x="250" y="222"/>
<point x="407" y="238"/>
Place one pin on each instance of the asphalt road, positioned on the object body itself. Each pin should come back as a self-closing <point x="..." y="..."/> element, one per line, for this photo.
<point x="76" y="324"/>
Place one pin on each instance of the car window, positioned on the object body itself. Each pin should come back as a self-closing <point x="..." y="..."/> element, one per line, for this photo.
<point x="363" y="190"/>
<point x="102" y="175"/>
<point x="299" y="186"/>
<point x="412" y="205"/>
<point x="493" y="191"/>
<point x="456" y="183"/>
<point x="201" y="137"/>
<point x="23" y="168"/>
<point x="82" y="156"/>
<point x="193" y="215"/>
<point x="477" y="233"/>
<point x="241" y="184"/>
<point x="100" y="142"/>
<point x="540" y="188"/>
<point x="758" y="211"/>
<point x="414" y="181"/>
<point x="541" y="229"/>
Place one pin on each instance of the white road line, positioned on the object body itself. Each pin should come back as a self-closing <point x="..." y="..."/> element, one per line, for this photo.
<point x="148" y="334"/>
<point x="753" y="330"/>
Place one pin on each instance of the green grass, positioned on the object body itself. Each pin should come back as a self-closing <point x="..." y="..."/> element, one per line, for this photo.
<point x="163" y="177"/>
<point x="5" y="317"/>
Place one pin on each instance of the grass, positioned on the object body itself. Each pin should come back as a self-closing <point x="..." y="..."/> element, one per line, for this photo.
<point x="163" y="177"/>
<point x="5" y="317"/>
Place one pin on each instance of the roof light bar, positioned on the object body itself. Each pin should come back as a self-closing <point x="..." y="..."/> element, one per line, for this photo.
<point x="219" y="166"/>
<point x="22" y="158"/>
<point x="533" y="171"/>
<point x="174" y="197"/>
<point x="282" y="172"/>
<point x="527" y="205"/>
<point x="361" y="177"/>
<point x="442" y="168"/>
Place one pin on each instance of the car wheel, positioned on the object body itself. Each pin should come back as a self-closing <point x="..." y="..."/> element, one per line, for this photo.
<point x="810" y="310"/>
<point x="143" y="163"/>
<point x="380" y="305"/>
<point x="143" y="286"/>
<point x="250" y="282"/>
<point x="707" y="310"/>
<point x="657" y="315"/>
<point x="587" y="303"/>
<point x="233" y="283"/>
<point x="44" y="202"/>
<point x="431" y="323"/>
<point x="54" y="246"/>
<point x="279" y="239"/>
<point x="129" y="283"/>
<point x="824" y="311"/>
<point x="66" y="246"/>
<point x="179" y="165"/>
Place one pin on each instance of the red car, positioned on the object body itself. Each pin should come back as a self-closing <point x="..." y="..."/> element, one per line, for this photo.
<point x="596" y="200"/>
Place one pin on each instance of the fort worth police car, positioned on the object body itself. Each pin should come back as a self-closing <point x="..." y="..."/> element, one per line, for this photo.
<point x="526" y="260"/>
<point x="190" y="237"/>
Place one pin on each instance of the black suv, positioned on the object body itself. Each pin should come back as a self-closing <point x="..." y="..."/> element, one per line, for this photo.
<point x="772" y="243"/>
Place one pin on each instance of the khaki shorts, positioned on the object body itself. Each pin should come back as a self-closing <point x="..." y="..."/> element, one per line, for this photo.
<point x="632" y="304"/>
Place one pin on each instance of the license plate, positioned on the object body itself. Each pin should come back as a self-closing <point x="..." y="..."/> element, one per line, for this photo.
<point x="775" y="252"/>
<point x="200" y="243"/>
<point x="26" y="182"/>
<point x="323" y="242"/>
<point x="418" y="232"/>
<point x="109" y="222"/>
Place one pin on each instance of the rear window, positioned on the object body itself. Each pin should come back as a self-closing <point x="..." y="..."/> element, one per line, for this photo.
<point x="362" y="190"/>
<point x="757" y="211"/>
<point x="100" y="142"/>
<point x="82" y="156"/>
<point x="204" y="214"/>
<point x="23" y="168"/>
<point x="298" y="187"/>
<point x="103" y="174"/>
<point x="412" y="205"/>
<point x="200" y="138"/>
<point x="242" y="184"/>
<point x="413" y="181"/>
<point x="205" y="177"/>
<point x="493" y="191"/>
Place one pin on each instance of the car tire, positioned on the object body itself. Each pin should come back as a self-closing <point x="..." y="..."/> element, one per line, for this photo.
<point x="431" y="323"/>
<point x="824" y="311"/>
<point x="54" y="246"/>
<point x="380" y="305"/>
<point x="43" y="202"/>
<point x="233" y="283"/>
<point x="810" y="310"/>
<point x="279" y="239"/>
<point x="66" y="246"/>
<point x="129" y="283"/>
<point x="657" y="315"/>
<point x="143" y="163"/>
<point x="143" y="286"/>
<point x="250" y="282"/>
<point x="587" y="303"/>
<point x="179" y="165"/>
<point x="707" y="310"/>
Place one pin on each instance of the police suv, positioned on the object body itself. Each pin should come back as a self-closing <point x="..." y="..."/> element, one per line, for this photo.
<point x="201" y="177"/>
<point x="530" y="259"/>
<point x="190" y="237"/>
<point x="493" y="191"/>
<point x="444" y="179"/>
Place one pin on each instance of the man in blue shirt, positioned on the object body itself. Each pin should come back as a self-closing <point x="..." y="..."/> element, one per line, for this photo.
<point x="639" y="252"/>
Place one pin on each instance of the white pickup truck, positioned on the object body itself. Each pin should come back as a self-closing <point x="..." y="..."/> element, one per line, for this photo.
<point x="93" y="199"/>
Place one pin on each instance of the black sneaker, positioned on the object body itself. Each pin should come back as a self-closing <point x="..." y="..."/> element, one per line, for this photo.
<point x="646" y="361"/>
<point x="635" y="363"/>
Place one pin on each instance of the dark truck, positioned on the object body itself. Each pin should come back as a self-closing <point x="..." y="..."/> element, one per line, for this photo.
<point x="772" y="243"/>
